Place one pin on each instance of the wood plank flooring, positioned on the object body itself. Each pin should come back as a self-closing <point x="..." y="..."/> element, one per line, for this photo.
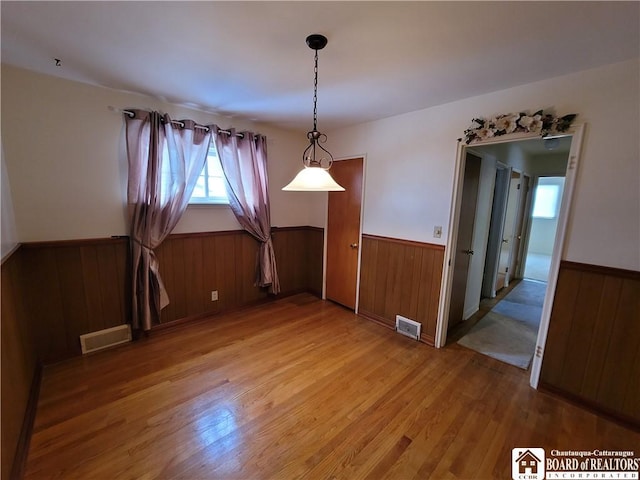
<point x="297" y="388"/>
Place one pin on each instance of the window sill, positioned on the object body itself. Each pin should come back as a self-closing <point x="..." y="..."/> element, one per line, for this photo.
<point x="207" y="205"/>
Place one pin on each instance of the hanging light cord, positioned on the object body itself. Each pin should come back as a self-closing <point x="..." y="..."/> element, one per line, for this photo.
<point x="314" y="136"/>
<point x="315" y="93"/>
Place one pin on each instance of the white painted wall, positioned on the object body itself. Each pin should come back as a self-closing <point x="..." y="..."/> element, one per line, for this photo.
<point x="411" y="161"/>
<point x="8" y="233"/>
<point x="543" y="231"/>
<point x="61" y="151"/>
<point x="64" y="155"/>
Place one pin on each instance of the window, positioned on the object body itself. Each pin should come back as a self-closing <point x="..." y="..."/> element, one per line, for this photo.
<point x="210" y="187"/>
<point x="547" y="199"/>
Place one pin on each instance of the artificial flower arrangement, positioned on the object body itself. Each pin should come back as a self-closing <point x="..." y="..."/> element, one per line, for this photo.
<point x="539" y="122"/>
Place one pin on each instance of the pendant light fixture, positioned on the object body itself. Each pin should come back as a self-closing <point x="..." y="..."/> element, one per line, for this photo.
<point x="317" y="160"/>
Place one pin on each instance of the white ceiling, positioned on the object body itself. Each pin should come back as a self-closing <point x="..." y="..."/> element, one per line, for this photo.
<point x="250" y="60"/>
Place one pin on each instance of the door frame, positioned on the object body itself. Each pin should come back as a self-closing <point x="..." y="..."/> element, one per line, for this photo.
<point x="326" y="228"/>
<point x="576" y="132"/>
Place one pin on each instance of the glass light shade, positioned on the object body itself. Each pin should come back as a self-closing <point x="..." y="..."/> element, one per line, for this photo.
<point x="313" y="179"/>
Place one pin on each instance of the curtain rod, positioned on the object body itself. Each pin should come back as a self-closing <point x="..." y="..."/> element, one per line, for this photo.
<point x="175" y="122"/>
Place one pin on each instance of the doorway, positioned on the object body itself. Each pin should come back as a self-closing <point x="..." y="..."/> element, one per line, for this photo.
<point x="544" y="223"/>
<point x="522" y="151"/>
<point x="343" y="234"/>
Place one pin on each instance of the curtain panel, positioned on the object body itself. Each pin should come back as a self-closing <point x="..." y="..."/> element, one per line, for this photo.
<point x="244" y="163"/>
<point x="165" y="159"/>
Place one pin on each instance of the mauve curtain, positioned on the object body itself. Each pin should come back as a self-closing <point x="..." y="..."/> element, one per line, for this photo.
<point x="244" y="163"/>
<point x="165" y="160"/>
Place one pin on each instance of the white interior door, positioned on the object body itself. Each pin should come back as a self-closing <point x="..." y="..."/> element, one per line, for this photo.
<point x="508" y="232"/>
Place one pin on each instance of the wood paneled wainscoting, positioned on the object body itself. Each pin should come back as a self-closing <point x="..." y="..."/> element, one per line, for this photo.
<point x="401" y="277"/>
<point x="194" y="265"/>
<point x="20" y="370"/>
<point x="80" y="286"/>
<point x="592" y="353"/>
<point x="71" y="288"/>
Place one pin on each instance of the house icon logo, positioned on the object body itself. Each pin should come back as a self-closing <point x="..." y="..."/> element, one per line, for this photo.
<point x="527" y="463"/>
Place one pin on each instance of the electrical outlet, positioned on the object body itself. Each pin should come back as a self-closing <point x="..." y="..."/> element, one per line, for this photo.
<point x="214" y="296"/>
<point x="437" y="232"/>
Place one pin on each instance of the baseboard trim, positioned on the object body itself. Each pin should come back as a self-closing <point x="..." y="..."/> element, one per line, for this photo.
<point x="22" y="449"/>
<point x="162" y="327"/>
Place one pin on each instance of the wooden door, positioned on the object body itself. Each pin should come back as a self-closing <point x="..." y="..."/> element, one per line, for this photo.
<point x="343" y="233"/>
<point x="464" y="241"/>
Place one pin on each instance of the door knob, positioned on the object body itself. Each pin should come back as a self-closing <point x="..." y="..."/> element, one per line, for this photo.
<point x="354" y="245"/>
<point x="468" y="252"/>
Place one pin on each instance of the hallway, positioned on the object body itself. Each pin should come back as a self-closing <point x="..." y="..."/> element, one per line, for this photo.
<point x="508" y="330"/>
<point x="537" y="266"/>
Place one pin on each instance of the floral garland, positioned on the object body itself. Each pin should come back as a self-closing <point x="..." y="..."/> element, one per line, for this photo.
<point x="539" y="122"/>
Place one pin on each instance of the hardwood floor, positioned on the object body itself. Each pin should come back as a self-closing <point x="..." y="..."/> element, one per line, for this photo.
<point x="297" y="388"/>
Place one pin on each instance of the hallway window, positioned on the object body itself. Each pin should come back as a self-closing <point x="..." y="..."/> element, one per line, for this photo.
<point x="547" y="198"/>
